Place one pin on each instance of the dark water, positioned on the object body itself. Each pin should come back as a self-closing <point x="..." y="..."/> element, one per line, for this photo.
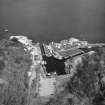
<point x="48" y="20"/>
<point x="54" y="65"/>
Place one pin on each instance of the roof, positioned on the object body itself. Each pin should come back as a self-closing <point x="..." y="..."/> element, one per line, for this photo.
<point x="70" y="52"/>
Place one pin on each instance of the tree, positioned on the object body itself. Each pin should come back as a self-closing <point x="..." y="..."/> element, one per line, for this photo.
<point x="16" y="63"/>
